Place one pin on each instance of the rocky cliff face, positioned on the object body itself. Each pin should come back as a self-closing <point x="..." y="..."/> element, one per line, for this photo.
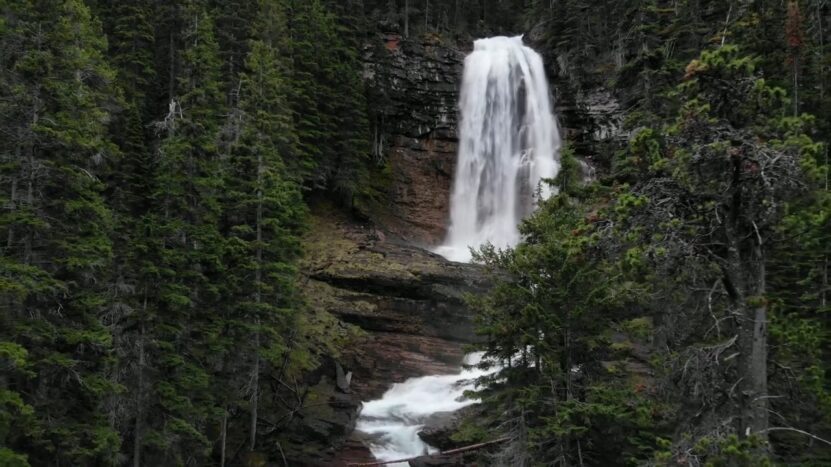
<point x="414" y="86"/>
<point x="408" y="302"/>
<point x="405" y="310"/>
<point x="589" y="105"/>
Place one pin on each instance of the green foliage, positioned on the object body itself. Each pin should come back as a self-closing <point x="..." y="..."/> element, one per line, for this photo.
<point x="733" y="451"/>
<point x="546" y="321"/>
<point x="152" y="217"/>
<point x="56" y="93"/>
<point x="328" y="102"/>
<point x="569" y="177"/>
<point x="717" y="162"/>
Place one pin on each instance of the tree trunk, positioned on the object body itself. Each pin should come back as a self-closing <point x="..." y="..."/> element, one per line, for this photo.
<point x="12" y="196"/>
<point x="755" y="390"/>
<point x="257" y="280"/>
<point x="821" y="54"/>
<point x="824" y="293"/>
<point x="30" y="189"/>
<point x="171" y="85"/>
<point x="744" y="277"/>
<point x="224" y="437"/>
<point x="139" y="394"/>
<point x="823" y="298"/>
<point x="406" y="18"/>
<point x="30" y="201"/>
<point x="796" y="84"/>
<point x="745" y="281"/>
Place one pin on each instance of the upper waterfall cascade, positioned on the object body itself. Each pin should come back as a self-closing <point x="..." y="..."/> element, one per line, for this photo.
<point x="508" y="143"/>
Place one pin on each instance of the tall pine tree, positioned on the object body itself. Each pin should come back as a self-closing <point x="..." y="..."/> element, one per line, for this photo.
<point x="264" y="213"/>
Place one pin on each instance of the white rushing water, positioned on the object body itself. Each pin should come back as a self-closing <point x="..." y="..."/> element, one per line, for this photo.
<point x="394" y="420"/>
<point x="508" y="143"/>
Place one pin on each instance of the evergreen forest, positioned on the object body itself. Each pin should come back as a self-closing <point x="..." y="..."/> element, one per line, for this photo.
<point x="160" y="163"/>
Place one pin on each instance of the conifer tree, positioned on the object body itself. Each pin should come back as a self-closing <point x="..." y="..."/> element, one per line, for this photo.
<point x="328" y="100"/>
<point x="350" y="140"/>
<point x="185" y="253"/>
<point x="56" y="92"/>
<point x="264" y="213"/>
<point x="131" y="35"/>
<point x="307" y="91"/>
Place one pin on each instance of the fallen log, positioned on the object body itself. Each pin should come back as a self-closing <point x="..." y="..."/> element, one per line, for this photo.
<point x="450" y="452"/>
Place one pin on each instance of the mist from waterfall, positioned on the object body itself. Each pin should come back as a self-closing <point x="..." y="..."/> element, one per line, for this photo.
<point x="508" y="143"/>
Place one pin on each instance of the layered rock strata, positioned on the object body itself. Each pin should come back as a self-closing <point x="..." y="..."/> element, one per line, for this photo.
<point x="407" y="309"/>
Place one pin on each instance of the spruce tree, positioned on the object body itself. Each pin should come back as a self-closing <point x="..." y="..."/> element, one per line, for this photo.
<point x="131" y="37"/>
<point x="328" y="101"/>
<point x="307" y="91"/>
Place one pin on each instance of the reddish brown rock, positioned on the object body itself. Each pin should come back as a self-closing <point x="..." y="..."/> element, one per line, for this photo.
<point x="353" y="451"/>
<point x="387" y="358"/>
<point x="406" y="303"/>
<point x="414" y="89"/>
<point x="422" y="171"/>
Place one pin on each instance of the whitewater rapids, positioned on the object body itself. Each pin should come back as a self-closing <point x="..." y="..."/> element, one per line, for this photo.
<point x="394" y="420"/>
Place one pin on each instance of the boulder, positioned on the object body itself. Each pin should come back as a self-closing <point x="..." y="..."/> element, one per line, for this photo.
<point x="439" y="427"/>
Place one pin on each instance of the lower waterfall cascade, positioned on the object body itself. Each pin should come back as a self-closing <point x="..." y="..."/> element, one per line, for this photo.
<point x="393" y="421"/>
<point x="508" y="144"/>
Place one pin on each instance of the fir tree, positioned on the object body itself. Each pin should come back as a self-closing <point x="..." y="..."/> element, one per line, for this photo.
<point x="328" y="101"/>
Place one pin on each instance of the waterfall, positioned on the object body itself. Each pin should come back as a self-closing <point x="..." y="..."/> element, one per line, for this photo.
<point x="508" y="141"/>
<point x="394" y="420"/>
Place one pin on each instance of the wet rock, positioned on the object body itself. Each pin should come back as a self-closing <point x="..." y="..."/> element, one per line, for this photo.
<point x="353" y="451"/>
<point x="343" y="378"/>
<point x="326" y="419"/>
<point x="591" y="112"/>
<point x="438" y="428"/>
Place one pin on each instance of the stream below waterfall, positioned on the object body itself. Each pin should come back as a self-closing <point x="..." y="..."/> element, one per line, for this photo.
<point x="392" y="422"/>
